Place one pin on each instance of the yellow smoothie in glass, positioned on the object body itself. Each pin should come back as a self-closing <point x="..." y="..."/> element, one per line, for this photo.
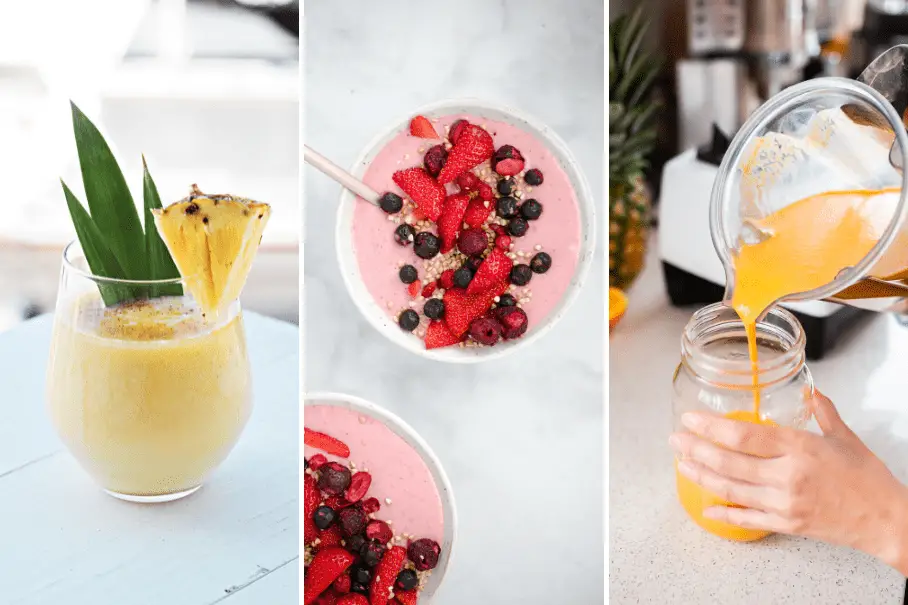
<point x="149" y="396"/>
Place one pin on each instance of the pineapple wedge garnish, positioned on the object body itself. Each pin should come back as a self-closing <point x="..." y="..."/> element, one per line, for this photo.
<point x="213" y="240"/>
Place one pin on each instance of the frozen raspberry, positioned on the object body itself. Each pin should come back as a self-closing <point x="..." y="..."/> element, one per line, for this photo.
<point x="472" y="242"/>
<point x="380" y="531"/>
<point x="485" y="192"/>
<point x="503" y="242"/>
<point x="352" y="521"/>
<point x="456" y="128"/>
<point x="446" y="280"/>
<point x="435" y="159"/>
<point x="333" y="478"/>
<point x="424" y="554"/>
<point x="467" y="182"/>
<point x="513" y="320"/>
<point x="371" y="505"/>
<point x="485" y="330"/>
<point x="507" y="160"/>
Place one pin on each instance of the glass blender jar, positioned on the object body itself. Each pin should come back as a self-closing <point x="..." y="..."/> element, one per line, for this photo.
<point x="822" y="135"/>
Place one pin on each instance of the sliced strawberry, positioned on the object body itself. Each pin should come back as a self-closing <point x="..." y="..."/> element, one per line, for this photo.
<point x="451" y="220"/>
<point x="385" y="574"/>
<point x="456" y="130"/>
<point x="311" y="497"/>
<point x="325" y="568"/>
<point x="413" y="288"/>
<point x="428" y="289"/>
<point x="474" y="146"/>
<point x="421" y="127"/>
<point x="462" y="308"/>
<point x="329" y="538"/>
<point x="326" y="443"/>
<point x="438" y="335"/>
<point x="428" y="193"/>
<point x="492" y="272"/>
<point x="446" y="280"/>
<point x="477" y="213"/>
<point x="406" y="597"/>
<point x="353" y="599"/>
<point x="328" y="598"/>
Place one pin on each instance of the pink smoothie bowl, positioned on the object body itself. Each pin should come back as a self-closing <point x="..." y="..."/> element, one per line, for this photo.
<point x="568" y="281"/>
<point x="392" y="470"/>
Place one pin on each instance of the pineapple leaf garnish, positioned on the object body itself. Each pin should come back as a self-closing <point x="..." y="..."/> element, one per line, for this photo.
<point x="160" y="263"/>
<point x="110" y="232"/>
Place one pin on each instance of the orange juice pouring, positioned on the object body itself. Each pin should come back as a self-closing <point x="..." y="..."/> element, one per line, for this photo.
<point x="806" y="206"/>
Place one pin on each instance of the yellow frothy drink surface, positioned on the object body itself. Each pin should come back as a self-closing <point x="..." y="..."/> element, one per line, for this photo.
<point x="149" y="396"/>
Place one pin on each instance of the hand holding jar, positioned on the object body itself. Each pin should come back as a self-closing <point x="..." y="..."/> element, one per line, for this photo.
<point x="830" y="487"/>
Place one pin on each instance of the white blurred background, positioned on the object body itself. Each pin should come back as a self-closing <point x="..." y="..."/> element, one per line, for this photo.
<point x="208" y="90"/>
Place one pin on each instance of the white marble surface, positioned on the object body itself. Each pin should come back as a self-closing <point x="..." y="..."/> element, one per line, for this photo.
<point x="235" y="541"/>
<point x="521" y="438"/>
<point x="656" y="553"/>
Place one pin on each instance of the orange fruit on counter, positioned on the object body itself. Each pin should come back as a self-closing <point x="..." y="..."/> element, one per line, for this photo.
<point x="617" y="305"/>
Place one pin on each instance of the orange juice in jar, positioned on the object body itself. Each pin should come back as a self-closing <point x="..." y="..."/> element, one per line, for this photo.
<point x="716" y="375"/>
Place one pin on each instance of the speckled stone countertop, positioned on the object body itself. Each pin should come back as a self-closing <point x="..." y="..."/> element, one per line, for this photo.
<point x="656" y="554"/>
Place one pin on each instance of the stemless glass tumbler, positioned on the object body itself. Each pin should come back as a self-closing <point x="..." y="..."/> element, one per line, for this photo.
<point x="147" y="393"/>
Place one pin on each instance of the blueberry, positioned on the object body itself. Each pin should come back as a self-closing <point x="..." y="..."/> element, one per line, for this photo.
<point x="406" y="580"/>
<point x="404" y="234"/>
<point x="533" y="177"/>
<point x="360" y="574"/>
<point x="372" y="553"/>
<point x="463" y="277"/>
<point x="358" y="588"/>
<point x="531" y="210"/>
<point x="473" y="263"/>
<point x="434" y="308"/>
<point x="506" y="300"/>
<point x="541" y="262"/>
<point x="323" y="517"/>
<point x="355" y="543"/>
<point x="426" y="245"/>
<point x="408" y="274"/>
<point x="520" y="275"/>
<point x="506" y="207"/>
<point x="408" y="320"/>
<point x="518" y="226"/>
<point x="505" y="186"/>
<point x="390" y="202"/>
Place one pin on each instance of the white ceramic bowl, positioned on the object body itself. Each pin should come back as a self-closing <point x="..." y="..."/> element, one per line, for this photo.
<point x="379" y="318"/>
<point x="412" y="438"/>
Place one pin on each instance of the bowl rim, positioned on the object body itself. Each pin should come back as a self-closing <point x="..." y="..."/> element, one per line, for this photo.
<point x="403" y="430"/>
<point x="586" y="207"/>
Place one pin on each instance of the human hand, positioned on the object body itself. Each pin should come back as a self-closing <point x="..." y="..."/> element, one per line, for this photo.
<point x="830" y="487"/>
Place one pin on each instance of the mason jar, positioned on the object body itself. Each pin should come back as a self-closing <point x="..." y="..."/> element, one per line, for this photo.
<point x="716" y="375"/>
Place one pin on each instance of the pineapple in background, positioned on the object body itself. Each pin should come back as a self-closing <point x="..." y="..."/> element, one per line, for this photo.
<point x="632" y="136"/>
